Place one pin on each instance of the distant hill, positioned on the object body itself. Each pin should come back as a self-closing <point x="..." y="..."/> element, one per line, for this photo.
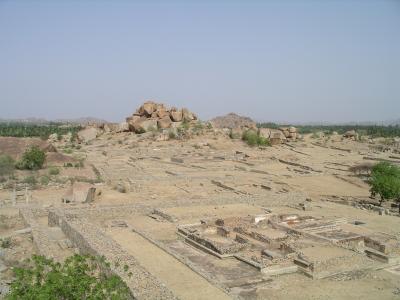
<point x="393" y="122"/>
<point x="26" y="120"/>
<point x="39" y="121"/>
<point x="82" y="121"/>
<point x="232" y="120"/>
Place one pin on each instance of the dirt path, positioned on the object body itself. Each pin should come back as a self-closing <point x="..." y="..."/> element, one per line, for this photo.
<point x="181" y="280"/>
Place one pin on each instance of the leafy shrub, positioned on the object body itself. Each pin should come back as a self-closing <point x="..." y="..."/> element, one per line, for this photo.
<point x="385" y="182"/>
<point x="252" y="138"/>
<point x="79" y="277"/>
<point x="185" y="125"/>
<point x="44" y="180"/>
<point x="67" y="151"/>
<point x="32" y="159"/>
<point x="234" y="135"/>
<point x="7" y="165"/>
<point x="78" y="165"/>
<point x="172" y="135"/>
<point x="31" y="180"/>
<point x="198" y="127"/>
<point x="5" y="242"/>
<point x="54" y="171"/>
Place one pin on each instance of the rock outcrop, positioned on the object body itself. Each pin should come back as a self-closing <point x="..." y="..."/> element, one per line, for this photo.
<point x="152" y="116"/>
<point x="278" y="136"/>
<point x="88" y="134"/>
<point x="351" y="134"/>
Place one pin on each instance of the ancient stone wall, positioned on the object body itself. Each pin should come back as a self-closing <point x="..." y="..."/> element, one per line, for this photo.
<point x="90" y="240"/>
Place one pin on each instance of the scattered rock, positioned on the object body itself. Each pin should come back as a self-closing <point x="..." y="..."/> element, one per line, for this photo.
<point x="88" y="134"/>
<point x="351" y="134"/>
<point x="122" y="127"/>
<point x="265" y="132"/>
<point x="53" y="138"/>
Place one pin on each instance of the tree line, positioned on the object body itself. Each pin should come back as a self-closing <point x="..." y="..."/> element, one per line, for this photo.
<point x="15" y="129"/>
<point x="369" y="130"/>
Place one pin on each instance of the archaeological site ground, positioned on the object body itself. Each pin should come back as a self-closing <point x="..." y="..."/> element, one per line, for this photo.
<point x="223" y="209"/>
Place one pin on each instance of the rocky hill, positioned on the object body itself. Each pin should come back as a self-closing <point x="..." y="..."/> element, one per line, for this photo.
<point x="232" y="120"/>
<point x="152" y="116"/>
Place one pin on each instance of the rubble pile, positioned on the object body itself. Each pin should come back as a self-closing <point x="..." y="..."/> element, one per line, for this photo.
<point x="278" y="136"/>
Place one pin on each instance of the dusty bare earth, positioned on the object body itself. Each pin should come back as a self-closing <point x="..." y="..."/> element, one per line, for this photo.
<point x="168" y="184"/>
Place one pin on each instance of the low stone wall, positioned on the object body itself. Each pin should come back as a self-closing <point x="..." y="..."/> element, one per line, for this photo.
<point x="40" y="240"/>
<point x="90" y="240"/>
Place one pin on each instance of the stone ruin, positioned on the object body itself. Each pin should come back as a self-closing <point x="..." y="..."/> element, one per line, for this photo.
<point x="152" y="116"/>
<point x="279" y="244"/>
<point x="80" y="192"/>
<point x="281" y="135"/>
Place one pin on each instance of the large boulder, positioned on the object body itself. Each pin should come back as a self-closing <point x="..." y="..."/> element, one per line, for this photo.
<point x="187" y="115"/>
<point x="277" y="137"/>
<point x="88" y="134"/>
<point x="164" y="122"/>
<point x="285" y="131"/>
<point x="133" y="121"/>
<point x="176" y="116"/>
<point x="265" y="132"/>
<point x="144" y="125"/>
<point x="350" y="134"/>
<point x="162" y="112"/>
<point x="122" y="127"/>
<point x="53" y="138"/>
<point x="148" y="108"/>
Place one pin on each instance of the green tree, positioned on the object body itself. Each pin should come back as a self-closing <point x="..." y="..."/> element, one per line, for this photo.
<point x="79" y="277"/>
<point x="252" y="138"/>
<point x="32" y="159"/>
<point x="385" y="182"/>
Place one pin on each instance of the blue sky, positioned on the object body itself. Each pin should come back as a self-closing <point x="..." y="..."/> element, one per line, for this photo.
<point x="293" y="61"/>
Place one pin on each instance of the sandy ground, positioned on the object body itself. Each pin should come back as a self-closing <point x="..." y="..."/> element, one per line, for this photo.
<point x="182" y="281"/>
<point x="212" y="176"/>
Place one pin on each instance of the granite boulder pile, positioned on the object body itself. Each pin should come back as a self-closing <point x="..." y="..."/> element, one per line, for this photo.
<point x="152" y="116"/>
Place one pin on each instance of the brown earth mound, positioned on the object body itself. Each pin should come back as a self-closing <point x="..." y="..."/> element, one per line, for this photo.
<point x="15" y="147"/>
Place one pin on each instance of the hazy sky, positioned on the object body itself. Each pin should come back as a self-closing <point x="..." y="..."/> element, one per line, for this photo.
<point x="271" y="60"/>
